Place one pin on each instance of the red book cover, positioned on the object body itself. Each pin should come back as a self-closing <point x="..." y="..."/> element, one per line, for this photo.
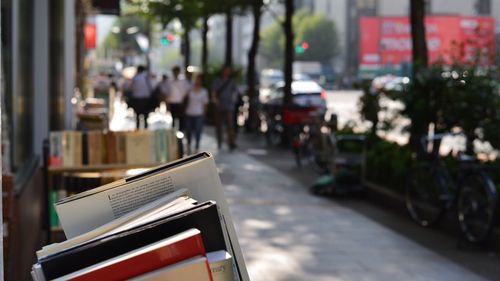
<point x="55" y="161"/>
<point x="168" y="251"/>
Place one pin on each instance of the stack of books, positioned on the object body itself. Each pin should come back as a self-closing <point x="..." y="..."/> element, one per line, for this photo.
<point x="169" y="223"/>
<point x="76" y="148"/>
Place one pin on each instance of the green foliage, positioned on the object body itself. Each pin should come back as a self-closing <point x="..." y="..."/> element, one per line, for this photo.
<point x="319" y="32"/>
<point x="321" y="35"/>
<point x="122" y="40"/>
<point x="273" y="45"/>
<point x="369" y="107"/>
<point x="388" y="164"/>
<point x="462" y="96"/>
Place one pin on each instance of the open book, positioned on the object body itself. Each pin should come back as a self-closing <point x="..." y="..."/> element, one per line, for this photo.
<point x="161" y="200"/>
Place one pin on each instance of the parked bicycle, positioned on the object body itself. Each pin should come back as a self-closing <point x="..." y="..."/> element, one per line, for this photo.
<point x="313" y="142"/>
<point x="432" y="190"/>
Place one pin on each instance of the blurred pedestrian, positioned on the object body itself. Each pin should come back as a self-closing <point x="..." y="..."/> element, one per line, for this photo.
<point x="197" y="99"/>
<point x="224" y="94"/>
<point x="163" y="87"/>
<point x="153" y="78"/>
<point x="141" y="95"/>
<point x="189" y="77"/>
<point x="237" y="106"/>
<point x="178" y="91"/>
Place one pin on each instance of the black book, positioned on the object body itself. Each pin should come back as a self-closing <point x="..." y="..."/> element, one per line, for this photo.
<point x="204" y="217"/>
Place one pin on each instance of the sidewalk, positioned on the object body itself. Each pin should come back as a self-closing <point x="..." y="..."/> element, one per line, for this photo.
<point x="287" y="234"/>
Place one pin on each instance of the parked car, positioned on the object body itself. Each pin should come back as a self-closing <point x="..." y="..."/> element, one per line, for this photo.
<point x="306" y="94"/>
<point x="301" y="77"/>
<point x="323" y="74"/>
<point x="265" y="93"/>
<point x="269" y="77"/>
<point x="389" y="83"/>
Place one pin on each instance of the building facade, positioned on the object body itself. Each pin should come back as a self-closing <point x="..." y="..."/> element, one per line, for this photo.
<point x="38" y="58"/>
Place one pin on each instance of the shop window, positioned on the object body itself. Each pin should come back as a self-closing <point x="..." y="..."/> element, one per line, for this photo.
<point x="17" y="66"/>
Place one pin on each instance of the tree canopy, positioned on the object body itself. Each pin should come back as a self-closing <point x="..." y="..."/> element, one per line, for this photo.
<point x="321" y="36"/>
<point x="319" y="32"/>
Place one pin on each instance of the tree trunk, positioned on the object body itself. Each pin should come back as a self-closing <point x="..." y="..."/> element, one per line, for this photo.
<point x="186" y="48"/>
<point x="148" y="52"/>
<point x="289" y="51"/>
<point x="420" y="61"/>
<point x="204" y="47"/>
<point x="229" y="38"/>
<point x="419" y="42"/>
<point x="288" y="66"/>
<point x="252" y="71"/>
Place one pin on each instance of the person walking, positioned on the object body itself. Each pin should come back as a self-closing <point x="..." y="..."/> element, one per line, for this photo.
<point x="177" y="92"/>
<point x="224" y="93"/>
<point x="164" y="87"/>
<point x="197" y="99"/>
<point x="141" y="95"/>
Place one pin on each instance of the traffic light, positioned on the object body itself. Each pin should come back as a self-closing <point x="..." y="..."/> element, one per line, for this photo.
<point x="167" y="40"/>
<point x="301" y="48"/>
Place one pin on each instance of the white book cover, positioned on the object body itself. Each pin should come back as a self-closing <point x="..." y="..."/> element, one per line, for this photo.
<point x="194" y="269"/>
<point x="88" y="210"/>
<point x="37" y="273"/>
<point x="221" y="265"/>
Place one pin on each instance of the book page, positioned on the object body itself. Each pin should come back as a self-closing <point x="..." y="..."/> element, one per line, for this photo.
<point x="171" y="203"/>
<point x="88" y="213"/>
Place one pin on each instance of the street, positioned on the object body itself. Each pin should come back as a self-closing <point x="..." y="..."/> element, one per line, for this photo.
<point x="345" y="105"/>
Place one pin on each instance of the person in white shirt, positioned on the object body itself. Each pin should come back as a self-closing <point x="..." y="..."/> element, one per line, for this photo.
<point x="178" y="91"/>
<point x="197" y="99"/>
<point x="141" y="95"/>
<point x="164" y="86"/>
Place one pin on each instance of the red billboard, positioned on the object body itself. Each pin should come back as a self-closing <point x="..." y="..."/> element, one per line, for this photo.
<point x="386" y="41"/>
<point x="90" y="34"/>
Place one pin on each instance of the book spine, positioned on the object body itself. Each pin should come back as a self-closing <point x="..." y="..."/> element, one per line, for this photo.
<point x="152" y="146"/>
<point x="67" y="149"/>
<point x="54" y="219"/>
<point x="55" y="152"/>
<point x="121" y="148"/>
<point x="85" y="148"/>
<point x="161" y="146"/>
<point x="104" y="148"/>
<point x="77" y="140"/>
<point x="173" y="153"/>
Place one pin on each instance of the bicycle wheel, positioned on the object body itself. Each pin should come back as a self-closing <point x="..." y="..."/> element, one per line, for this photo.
<point x="476" y="206"/>
<point x="424" y="193"/>
<point x="273" y="133"/>
<point x="301" y="149"/>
